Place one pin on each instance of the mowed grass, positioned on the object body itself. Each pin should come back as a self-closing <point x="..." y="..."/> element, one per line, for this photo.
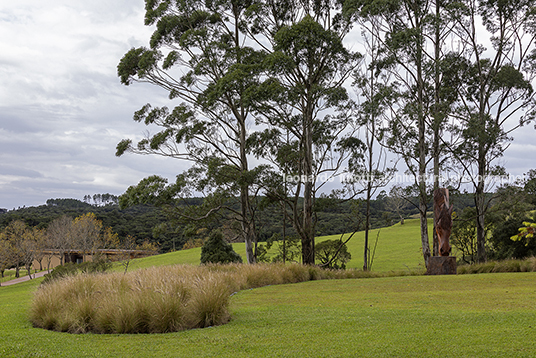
<point x="486" y="315"/>
<point x="398" y="249"/>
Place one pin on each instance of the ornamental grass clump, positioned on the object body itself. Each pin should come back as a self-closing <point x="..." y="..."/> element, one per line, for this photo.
<point x="155" y="300"/>
<point x="159" y="299"/>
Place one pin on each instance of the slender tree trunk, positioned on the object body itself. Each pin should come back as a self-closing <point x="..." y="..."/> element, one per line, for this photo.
<point x="284" y="230"/>
<point x="367" y="224"/>
<point x="370" y="143"/>
<point x="437" y="115"/>
<point x="422" y="152"/>
<point x="480" y="204"/>
<point x="308" y="253"/>
<point x="247" y="221"/>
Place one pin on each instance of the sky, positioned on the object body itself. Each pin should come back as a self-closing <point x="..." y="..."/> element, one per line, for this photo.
<point x="63" y="109"/>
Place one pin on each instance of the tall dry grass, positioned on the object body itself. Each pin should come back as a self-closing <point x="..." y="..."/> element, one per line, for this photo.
<point x="160" y="299"/>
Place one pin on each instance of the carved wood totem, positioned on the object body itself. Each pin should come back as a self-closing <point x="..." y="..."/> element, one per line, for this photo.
<point x="443" y="220"/>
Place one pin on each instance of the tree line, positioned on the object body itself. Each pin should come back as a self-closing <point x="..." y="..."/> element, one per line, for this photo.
<point x="22" y="245"/>
<point x="263" y="93"/>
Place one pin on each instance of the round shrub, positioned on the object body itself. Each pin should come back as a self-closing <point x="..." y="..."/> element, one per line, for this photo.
<point x="216" y="250"/>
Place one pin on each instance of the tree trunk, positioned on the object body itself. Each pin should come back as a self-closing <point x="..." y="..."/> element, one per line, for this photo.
<point x="437" y="115"/>
<point x="421" y="180"/>
<point x="367" y="223"/>
<point x="248" y="229"/>
<point x="480" y="204"/>
<point x="308" y="253"/>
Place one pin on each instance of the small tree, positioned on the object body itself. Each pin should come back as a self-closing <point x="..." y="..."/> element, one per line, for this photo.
<point x="6" y="256"/>
<point x="216" y="250"/>
<point x="464" y="234"/>
<point x="397" y="202"/>
<point x="60" y="236"/>
<point x="40" y="245"/>
<point x="16" y="233"/>
<point x="332" y="254"/>
<point x="87" y="233"/>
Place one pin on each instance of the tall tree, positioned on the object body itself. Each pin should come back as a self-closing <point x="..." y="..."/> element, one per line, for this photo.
<point x="370" y="169"/>
<point x="497" y="96"/>
<point x="402" y="35"/>
<point x="405" y="31"/>
<point x="306" y="68"/>
<point x="217" y="72"/>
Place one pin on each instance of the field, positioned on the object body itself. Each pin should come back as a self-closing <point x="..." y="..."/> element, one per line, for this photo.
<point x="484" y="315"/>
<point x="398" y="249"/>
<point x="487" y="315"/>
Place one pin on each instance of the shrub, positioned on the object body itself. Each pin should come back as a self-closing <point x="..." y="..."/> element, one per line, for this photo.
<point x="333" y="254"/>
<point x="216" y="250"/>
<point x="506" y="248"/>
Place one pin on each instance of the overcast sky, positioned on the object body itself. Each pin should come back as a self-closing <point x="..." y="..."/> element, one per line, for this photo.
<point x="63" y="109"/>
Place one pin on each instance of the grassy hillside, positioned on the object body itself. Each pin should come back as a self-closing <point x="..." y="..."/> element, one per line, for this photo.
<point x="487" y="315"/>
<point x="399" y="248"/>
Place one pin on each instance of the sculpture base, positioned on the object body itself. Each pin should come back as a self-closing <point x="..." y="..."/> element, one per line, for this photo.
<point x="442" y="265"/>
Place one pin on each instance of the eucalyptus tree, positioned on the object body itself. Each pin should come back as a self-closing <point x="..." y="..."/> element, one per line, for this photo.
<point x="303" y="102"/>
<point x="198" y="53"/>
<point x="370" y="170"/>
<point x="405" y="31"/>
<point x="497" y="96"/>
<point x="400" y="30"/>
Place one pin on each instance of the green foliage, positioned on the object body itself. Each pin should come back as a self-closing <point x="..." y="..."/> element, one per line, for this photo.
<point x="216" y="250"/>
<point x="526" y="233"/>
<point x="332" y="254"/>
<point x="463" y="236"/>
<point x="288" y="250"/>
<point x="506" y="246"/>
<point x="400" y="306"/>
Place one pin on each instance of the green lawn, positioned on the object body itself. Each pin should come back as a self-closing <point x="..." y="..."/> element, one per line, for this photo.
<point x="487" y="315"/>
<point x="399" y="248"/>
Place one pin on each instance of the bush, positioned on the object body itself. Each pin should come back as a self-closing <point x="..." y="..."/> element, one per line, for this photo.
<point x="506" y="248"/>
<point x="216" y="250"/>
<point x="333" y="254"/>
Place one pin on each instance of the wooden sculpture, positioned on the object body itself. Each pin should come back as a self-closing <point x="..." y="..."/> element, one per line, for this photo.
<point x="443" y="220"/>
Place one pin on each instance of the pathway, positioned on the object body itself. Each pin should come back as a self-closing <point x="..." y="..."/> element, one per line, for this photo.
<point x="24" y="278"/>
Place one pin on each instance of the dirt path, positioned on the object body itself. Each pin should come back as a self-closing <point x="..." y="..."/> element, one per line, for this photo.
<point x="24" y="278"/>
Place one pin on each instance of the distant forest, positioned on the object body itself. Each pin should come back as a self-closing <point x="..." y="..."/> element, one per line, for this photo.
<point x="152" y="223"/>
